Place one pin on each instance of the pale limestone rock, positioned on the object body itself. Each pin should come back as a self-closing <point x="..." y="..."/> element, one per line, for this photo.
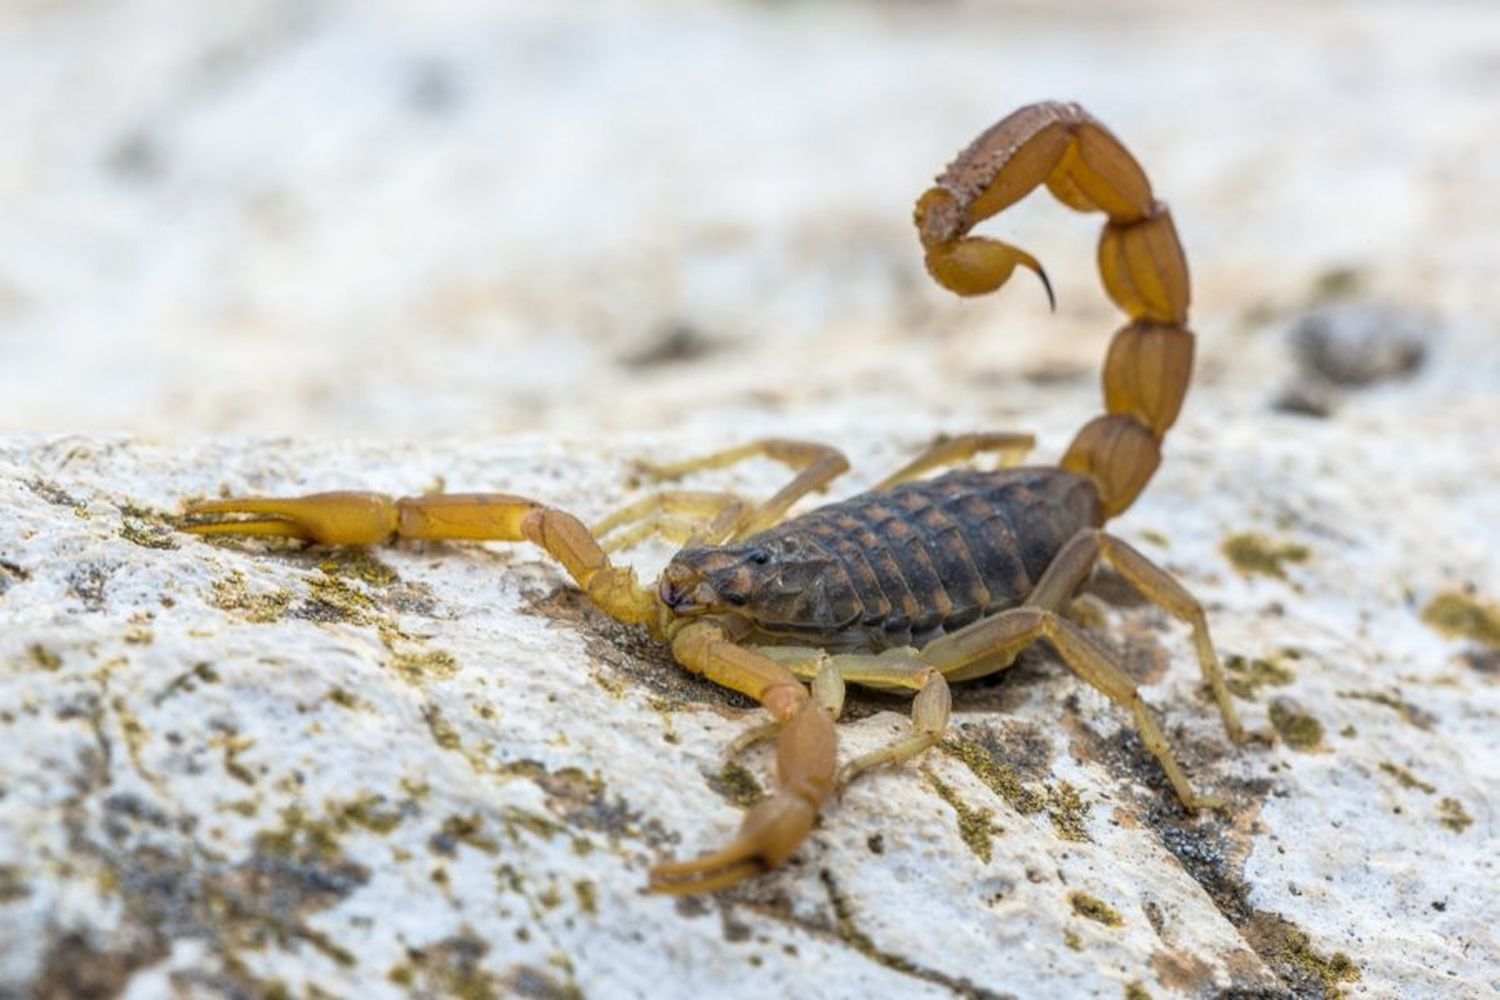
<point x="234" y="770"/>
<point x="233" y="766"/>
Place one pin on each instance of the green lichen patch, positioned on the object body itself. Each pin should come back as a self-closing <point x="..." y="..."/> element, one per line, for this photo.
<point x="371" y="812"/>
<point x="333" y="600"/>
<point x="876" y="843"/>
<point x="974" y="826"/>
<point x="454" y="967"/>
<point x="12" y="885"/>
<point x="136" y="735"/>
<point x="1095" y="909"/>
<point x="44" y="658"/>
<point x="1001" y="778"/>
<point x="588" y="896"/>
<point x="432" y="664"/>
<point x="517" y="820"/>
<point x="467" y="830"/>
<point x="1410" y="714"/>
<point x="188" y="681"/>
<point x="1340" y="281"/>
<point x="1068" y="812"/>
<point x="234" y="746"/>
<point x="1062" y="803"/>
<point x="1298" y="728"/>
<point x="1453" y="815"/>
<point x="1462" y="616"/>
<point x="150" y="529"/>
<point x="230" y="594"/>
<point x="1290" y="952"/>
<point x="443" y="733"/>
<point x="1406" y="779"/>
<point x="301" y="838"/>
<point x="1072" y="939"/>
<point x="1135" y="991"/>
<point x="1245" y="677"/>
<point x="1155" y="537"/>
<point x="349" y="564"/>
<point x="344" y="698"/>
<point x="737" y="785"/>
<point x="53" y="493"/>
<point x="1254" y="554"/>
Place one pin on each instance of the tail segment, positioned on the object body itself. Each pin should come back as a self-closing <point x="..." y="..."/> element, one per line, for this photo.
<point x="1141" y="262"/>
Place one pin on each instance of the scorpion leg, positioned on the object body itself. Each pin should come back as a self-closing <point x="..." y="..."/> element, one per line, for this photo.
<point x="374" y="519"/>
<point x="1001" y="638"/>
<point x="895" y="669"/>
<point x="805" y="760"/>
<point x="682" y="516"/>
<point x="947" y="451"/>
<point x="994" y="643"/>
<point x="930" y="710"/>
<point x="817" y="465"/>
<point x="1072" y="566"/>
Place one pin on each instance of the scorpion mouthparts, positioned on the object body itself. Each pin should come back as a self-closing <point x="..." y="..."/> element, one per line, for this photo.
<point x="685" y="596"/>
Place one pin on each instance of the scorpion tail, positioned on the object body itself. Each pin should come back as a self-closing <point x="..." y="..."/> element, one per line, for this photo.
<point x="1141" y="262"/>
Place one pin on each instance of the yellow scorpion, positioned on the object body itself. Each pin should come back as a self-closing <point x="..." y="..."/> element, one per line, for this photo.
<point x="911" y="586"/>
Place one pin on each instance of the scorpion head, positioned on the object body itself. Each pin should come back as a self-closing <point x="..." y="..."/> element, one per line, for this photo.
<point x="769" y="581"/>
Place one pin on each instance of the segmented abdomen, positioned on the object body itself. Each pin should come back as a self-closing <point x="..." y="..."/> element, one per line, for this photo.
<point x="928" y="557"/>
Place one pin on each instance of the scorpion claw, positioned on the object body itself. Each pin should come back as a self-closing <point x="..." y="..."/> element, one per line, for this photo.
<point x="769" y="835"/>
<point x="325" y="518"/>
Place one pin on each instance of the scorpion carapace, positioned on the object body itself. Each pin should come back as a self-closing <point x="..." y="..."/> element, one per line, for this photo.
<point x="911" y="586"/>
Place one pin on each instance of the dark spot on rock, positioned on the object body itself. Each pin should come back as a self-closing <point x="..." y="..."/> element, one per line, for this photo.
<point x="72" y="967"/>
<point x="737" y="784"/>
<point x="692" y="906"/>
<point x="434" y="89"/>
<point x="674" y="344"/>
<point x="536" y="984"/>
<point x="1056" y="373"/>
<point x="136" y="156"/>
<point x="87" y="582"/>
<point x="454" y="967"/>
<point x="1361" y="343"/>
<point x="52" y="493"/>
<point x="1484" y="661"/>
<point x="630" y="652"/>
<point x="580" y="801"/>
<point x="10" y="574"/>
<point x="124" y="811"/>
<point x="1306" y="397"/>
<point x="735" y="931"/>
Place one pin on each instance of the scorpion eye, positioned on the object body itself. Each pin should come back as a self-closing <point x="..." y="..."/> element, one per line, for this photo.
<point x="760" y="556"/>
<point x="738" y="600"/>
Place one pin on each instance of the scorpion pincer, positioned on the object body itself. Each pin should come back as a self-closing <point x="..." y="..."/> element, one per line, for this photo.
<point x="914" y="585"/>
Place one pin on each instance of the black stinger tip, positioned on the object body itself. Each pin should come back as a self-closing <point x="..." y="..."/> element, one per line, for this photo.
<point x="1051" y="299"/>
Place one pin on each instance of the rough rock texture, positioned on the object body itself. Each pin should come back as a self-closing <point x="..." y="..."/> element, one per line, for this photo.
<point x="499" y="248"/>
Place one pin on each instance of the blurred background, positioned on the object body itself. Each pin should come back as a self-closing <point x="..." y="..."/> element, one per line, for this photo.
<point x="406" y="220"/>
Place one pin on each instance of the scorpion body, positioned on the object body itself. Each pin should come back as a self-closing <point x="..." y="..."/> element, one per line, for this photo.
<point x="905" y="566"/>
<point x="914" y="585"/>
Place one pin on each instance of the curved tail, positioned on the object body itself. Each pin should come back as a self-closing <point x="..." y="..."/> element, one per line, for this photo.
<point x="1147" y="369"/>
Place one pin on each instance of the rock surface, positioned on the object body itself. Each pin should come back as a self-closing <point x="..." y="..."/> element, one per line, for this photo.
<point x="242" y="770"/>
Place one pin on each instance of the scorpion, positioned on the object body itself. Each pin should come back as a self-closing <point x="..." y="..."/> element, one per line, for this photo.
<point x="918" y="583"/>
